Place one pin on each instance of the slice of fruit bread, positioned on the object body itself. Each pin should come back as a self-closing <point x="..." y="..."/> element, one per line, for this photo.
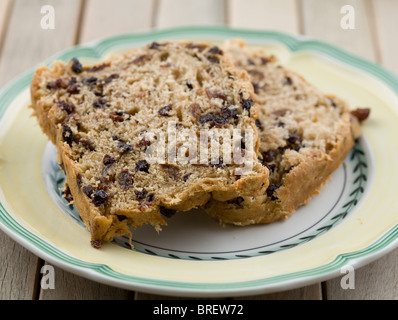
<point x="134" y="134"/>
<point x="305" y="135"/>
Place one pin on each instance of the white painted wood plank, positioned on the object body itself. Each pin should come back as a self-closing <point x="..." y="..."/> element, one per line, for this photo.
<point x="5" y="9"/>
<point x="311" y="292"/>
<point x="385" y="13"/>
<point x="68" y="286"/>
<point x="18" y="268"/>
<point x="322" y="20"/>
<point x="104" y="18"/>
<point x="173" y="13"/>
<point x="149" y="296"/>
<point x="378" y="280"/>
<point x="278" y="15"/>
<point x="372" y="27"/>
<point x="26" y="44"/>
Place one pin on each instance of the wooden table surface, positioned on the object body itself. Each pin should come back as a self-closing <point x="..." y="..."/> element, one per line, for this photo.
<point x="23" y="44"/>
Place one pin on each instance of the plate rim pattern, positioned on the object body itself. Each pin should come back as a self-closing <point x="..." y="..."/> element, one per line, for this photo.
<point x="103" y="273"/>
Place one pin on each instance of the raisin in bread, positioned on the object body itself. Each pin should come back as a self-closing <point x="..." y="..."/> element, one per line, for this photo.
<point x="305" y="135"/>
<point x="104" y="119"/>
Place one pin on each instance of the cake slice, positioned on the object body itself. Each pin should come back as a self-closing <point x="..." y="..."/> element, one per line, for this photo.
<point x="132" y="132"/>
<point x="305" y="135"/>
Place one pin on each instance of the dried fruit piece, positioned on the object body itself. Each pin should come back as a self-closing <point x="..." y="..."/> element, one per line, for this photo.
<point x="211" y="94"/>
<point x="288" y="81"/>
<point x="270" y="155"/>
<point x="294" y="138"/>
<point x="265" y="60"/>
<point x="90" y="81"/>
<point x="117" y="116"/>
<point x="189" y="85"/>
<point x="97" y="68"/>
<point x="227" y="112"/>
<point x="165" y="110"/>
<point x="259" y="124"/>
<point x="237" y="201"/>
<point x="100" y="198"/>
<point x="142" y="165"/>
<point x="213" y="59"/>
<point x="155" y="45"/>
<point x="142" y="59"/>
<point x="100" y="103"/>
<point x="247" y="103"/>
<point x="214" y="119"/>
<point x="215" y="50"/>
<point x="172" y="171"/>
<point x="196" y="46"/>
<point x="112" y="77"/>
<point x="86" y="142"/>
<point x="271" y="191"/>
<point x="96" y="244"/>
<point x="168" y="213"/>
<point x="124" y="147"/>
<point x="125" y="179"/>
<point x="68" y="107"/>
<point x="108" y="160"/>
<point x="361" y="113"/>
<point x="73" y="88"/>
<point x="67" y="134"/>
<point x="76" y="66"/>
<point x="186" y="177"/>
<point x="59" y="83"/>
<point x="67" y="194"/>
<point x="88" y="190"/>
<point x="195" y="110"/>
<point x="141" y="195"/>
<point x="78" y="177"/>
<point x="144" y="143"/>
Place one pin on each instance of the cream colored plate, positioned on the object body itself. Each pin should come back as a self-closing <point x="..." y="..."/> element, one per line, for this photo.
<point x="353" y="221"/>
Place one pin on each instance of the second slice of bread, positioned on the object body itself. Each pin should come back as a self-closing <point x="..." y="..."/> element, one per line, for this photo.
<point x="305" y="135"/>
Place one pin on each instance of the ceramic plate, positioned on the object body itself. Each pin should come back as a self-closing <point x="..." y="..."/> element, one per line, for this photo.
<point x="354" y="219"/>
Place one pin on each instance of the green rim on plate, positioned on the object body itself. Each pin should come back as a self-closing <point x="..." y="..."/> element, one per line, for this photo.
<point x="103" y="273"/>
<point x="355" y="172"/>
